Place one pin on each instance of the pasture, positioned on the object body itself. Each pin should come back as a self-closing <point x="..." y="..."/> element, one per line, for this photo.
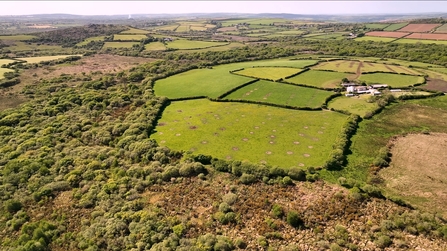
<point x="356" y="105"/>
<point x="373" y="67"/>
<point x="393" y="80"/>
<point x="182" y="44"/>
<point x="218" y="48"/>
<point x="170" y="27"/>
<point x="127" y="37"/>
<point x="394" y="27"/>
<point x="155" y="46"/>
<point x="390" y="34"/>
<point x="375" y="39"/>
<point x="280" y="93"/>
<point x="376" y="25"/>
<point x="32" y="60"/>
<point x="3" y="71"/>
<point x="256" y="133"/>
<point x="216" y="81"/>
<point x="321" y="79"/>
<point x="88" y="40"/>
<point x="119" y="45"/>
<point x="270" y="73"/>
<point x="339" y="66"/>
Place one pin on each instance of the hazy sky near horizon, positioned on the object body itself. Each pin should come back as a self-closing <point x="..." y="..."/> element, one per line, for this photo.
<point x="175" y="7"/>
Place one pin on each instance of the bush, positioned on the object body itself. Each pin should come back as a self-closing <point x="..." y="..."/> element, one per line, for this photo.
<point x="229" y="198"/>
<point x="383" y="241"/>
<point x="294" y="219"/>
<point x="277" y="211"/>
<point x="247" y="178"/>
<point x="13" y="206"/>
<point x="297" y="174"/>
<point x="224" y="207"/>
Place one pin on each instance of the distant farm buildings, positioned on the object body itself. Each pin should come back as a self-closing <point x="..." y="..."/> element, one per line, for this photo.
<point x="353" y="89"/>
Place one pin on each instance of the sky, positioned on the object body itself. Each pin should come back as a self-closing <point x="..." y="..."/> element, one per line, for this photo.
<point x="175" y="7"/>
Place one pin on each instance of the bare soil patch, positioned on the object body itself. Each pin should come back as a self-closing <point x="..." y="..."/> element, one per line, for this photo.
<point x="417" y="170"/>
<point x="419" y="27"/>
<point x="436" y="85"/>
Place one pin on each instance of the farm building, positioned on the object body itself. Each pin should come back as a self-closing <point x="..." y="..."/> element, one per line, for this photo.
<point x="395" y="90"/>
<point x="378" y="86"/>
<point x="374" y="92"/>
<point x="350" y="89"/>
<point x="348" y="84"/>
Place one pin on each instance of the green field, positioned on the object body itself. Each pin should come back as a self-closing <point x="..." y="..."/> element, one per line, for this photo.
<point x="322" y="79"/>
<point x="215" y="82"/>
<point x="339" y="66"/>
<point x="442" y="29"/>
<point x="375" y="39"/>
<point x="376" y="26"/>
<point x="372" y="67"/>
<point x="182" y="44"/>
<point x="394" y="27"/>
<point x="6" y="61"/>
<point x="17" y="37"/>
<point x="328" y="36"/>
<point x="279" y="93"/>
<point x="422" y="41"/>
<point x="170" y="27"/>
<point x="88" y="40"/>
<point x="134" y="31"/>
<point x="410" y="93"/>
<point x="393" y="80"/>
<point x="291" y="32"/>
<point x="32" y="60"/>
<point x="356" y="105"/>
<point x="259" y="134"/>
<point x="218" y="48"/>
<point x="128" y="37"/>
<point x="118" y="45"/>
<point x="271" y="73"/>
<point x="3" y="71"/>
<point x="155" y="46"/>
<point x="182" y="28"/>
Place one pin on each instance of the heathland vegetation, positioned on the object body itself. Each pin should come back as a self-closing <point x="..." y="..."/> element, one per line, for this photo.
<point x="220" y="134"/>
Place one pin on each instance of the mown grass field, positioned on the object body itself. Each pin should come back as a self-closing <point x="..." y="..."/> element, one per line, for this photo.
<point x="279" y="93"/>
<point x="393" y="80"/>
<point x="128" y="37"/>
<point x="3" y="71"/>
<point x="170" y="27"/>
<point x="118" y="45"/>
<point x="182" y="44"/>
<point x="375" y="39"/>
<point x="339" y="66"/>
<point x="32" y="60"/>
<point x="271" y="73"/>
<point x="215" y="82"/>
<point x="441" y="29"/>
<point x="155" y="46"/>
<point x="134" y="31"/>
<point x="17" y="37"/>
<point x="259" y="134"/>
<point x="182" y="28"/>
<point x="356" y="105"/>
<point x="322" y="79"/>
<point x="394" y="27"/>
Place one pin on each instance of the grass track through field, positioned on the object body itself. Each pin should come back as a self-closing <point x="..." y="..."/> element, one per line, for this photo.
<point x="249" y="132"/>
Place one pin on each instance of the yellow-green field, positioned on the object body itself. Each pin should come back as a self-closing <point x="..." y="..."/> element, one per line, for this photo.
<point x="393" y="80"/>
<point x="88" y="40"/>
<point x="375" y="39"/>
<point x="32" y="60"/>
<point x="6" y="61"/>
<point x="155" y="46"/>
<point x="182" y="44"/>
<point x="339" y="66"/>
<point x="134" y="31"/>
<point x="356" y="105"/>
<point x="118" y="45"/>
<point x="372" y="67"/>
<point x="17" y="37"/>
<point x="128" y="37"/>
<point x="422" y="41"/>
<point x="170" y="27"/>
<point x="271" y="73"/>
<point x="3" y="71"/>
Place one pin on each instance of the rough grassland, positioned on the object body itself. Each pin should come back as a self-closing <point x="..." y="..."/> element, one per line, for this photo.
<point x="32" y="60"/>
<point x="278" y="93"/>
<point x="189" y="44"/>
<point x="215" y="82"/>
<point x="134" y="31"/>
<point x="405" y="177"/>
<point x="272" y="73"/>
<point x="372" y="67"/>
<point x="323" y="79"/>
<point x="17" y="37"/>
<point x="3" y="71"/>
<point x="338" y="65"/>
<point x="6" y="61"/>
<point x="259" y="134"/>
<point x="356" y="105"/>
<point x="393" y="80"/>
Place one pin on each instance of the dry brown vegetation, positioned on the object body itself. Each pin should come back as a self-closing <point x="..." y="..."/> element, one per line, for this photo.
<point x="417" y="170"/>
